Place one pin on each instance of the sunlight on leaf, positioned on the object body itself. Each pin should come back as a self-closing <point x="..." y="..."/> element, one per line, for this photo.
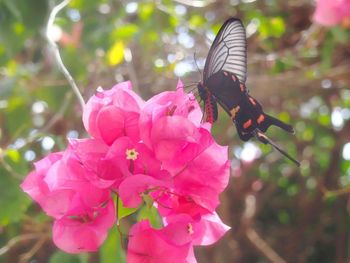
<point x="124" y="32"/>
<point x="13" y="155"/>
<point x="18" y="28"/>
<point x="124" y="211"/>
<point x="146" y="10"/>
<point x="196" y="21"/>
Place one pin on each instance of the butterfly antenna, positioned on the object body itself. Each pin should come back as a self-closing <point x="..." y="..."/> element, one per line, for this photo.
<point x="265" y="140"/>
<point x="190" y="85"/>
<point x="195" y="62"/>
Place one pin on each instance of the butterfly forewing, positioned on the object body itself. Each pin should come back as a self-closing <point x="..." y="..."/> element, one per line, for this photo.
<point x="228" y="51"/>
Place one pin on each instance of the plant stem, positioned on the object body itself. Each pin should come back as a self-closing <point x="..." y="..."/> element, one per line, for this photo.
<point x="56" y="51"/>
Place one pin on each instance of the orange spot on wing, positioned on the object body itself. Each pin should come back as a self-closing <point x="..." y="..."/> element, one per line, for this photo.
<point x="234" y="112"/>
<point x="252" y="101"/>
<point x="247" y="124"/>
<point x="261" y="118"/>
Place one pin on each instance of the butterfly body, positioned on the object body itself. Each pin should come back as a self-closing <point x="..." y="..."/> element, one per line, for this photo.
<point x="224" y="83"/>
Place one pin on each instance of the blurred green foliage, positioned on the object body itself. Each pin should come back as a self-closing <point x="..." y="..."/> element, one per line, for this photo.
<point x="297" y="69"/>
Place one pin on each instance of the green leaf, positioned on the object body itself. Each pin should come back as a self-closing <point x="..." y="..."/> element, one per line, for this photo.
<point x="196" y="21"/>
<point x="146" y="10"/>
<point x="111" y="250"/>
<point x="11" y="6"/>
<point x="13" y="201"/>
<point x="284" y="116"/>
<point x="271" y="27"/>
<point x="124" y="32"/>
<point x="18" y="28"/>
<point x="174" y="21"/>
<point x="17" y="115"/>
<point x="76" y="4"/>
<point x="60" y="257"/>
<point x="340" y="35"/>
<point x="327" y="51"/>
<point x="151" y="214"/>
<point x="277" y="26"/>
<point x="14" y="159"/>
<point x="124" y="211"/>
<point x="284" y="217"/>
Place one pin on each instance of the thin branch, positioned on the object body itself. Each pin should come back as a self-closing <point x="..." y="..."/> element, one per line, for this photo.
<point x="9" y="169"/>
<point x="56" y="51"/>
<point x="12" y="242"/>
<point x="261" y="245"/>
<point x="56" y="117"/>
<point x="38" y="244"/>
<point x="195" y="3"/>
<point x="338" y="192"/>
<point x="257" y="241"/>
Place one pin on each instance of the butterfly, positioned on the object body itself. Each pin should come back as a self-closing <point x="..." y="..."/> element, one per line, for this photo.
<point x="224" y="77"/>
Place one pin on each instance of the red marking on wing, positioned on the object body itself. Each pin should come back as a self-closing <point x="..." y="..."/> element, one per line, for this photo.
<point x="261" y="118"/>
<point x="242" y="87"/>
<point x="247" y="124"/>
<point x="225" y="73"/>
<point x="252" y="101"/>
<point x="233" y="78"/>
<point x="209" y="110"/>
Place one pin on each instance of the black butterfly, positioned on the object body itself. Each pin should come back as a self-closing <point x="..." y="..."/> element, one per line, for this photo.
<point x="224" y="78"/>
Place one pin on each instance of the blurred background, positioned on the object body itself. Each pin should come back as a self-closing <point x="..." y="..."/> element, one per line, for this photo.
<point x="298" y="69"/>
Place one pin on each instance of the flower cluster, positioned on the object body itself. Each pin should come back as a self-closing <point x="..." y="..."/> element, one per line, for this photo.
<point x="156" y="150"/>
<point x="332" y="12"/>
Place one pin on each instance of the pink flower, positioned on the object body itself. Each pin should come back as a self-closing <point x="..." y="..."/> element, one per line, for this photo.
<point x="200" y="171"/>
<point x="134" y="187"/>
<point x="113" y="113"/>
<point x="204" y="176"/>
<point x="148" y="245"/>
<point x="331" y="12"/>
<point x="203" y="230"/>
<point x="91" y="154"/>
<point x="159" y="150"/>
<point x="57" y="180"/>
<point x="177" y="107"/>
<point x="38" y="189"/>
<point x="174" y="242"/>
<point x="83" y="228"/>
<point x="134" y="158"/>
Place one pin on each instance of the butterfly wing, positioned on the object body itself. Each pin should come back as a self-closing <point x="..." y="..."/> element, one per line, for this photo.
<point x="225" y="74"/>
<point x="228" y="51"/>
